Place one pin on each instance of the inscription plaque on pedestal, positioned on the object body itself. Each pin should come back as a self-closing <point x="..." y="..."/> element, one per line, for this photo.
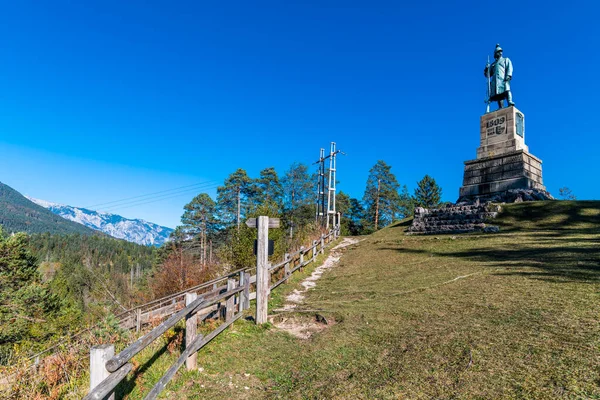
<point x="501" y="131"/>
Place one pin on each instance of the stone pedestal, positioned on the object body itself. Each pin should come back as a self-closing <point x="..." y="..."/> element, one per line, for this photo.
<point x="503" y="160"/>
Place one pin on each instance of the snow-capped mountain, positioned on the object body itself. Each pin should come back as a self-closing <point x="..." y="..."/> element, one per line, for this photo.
<point x="132" y="230"/>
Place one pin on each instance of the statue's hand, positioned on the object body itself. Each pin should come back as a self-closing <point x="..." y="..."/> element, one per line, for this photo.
<point x="508" y="78"/>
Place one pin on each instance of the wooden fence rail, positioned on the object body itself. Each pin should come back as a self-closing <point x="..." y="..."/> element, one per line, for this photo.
<point x="229" y="296"/>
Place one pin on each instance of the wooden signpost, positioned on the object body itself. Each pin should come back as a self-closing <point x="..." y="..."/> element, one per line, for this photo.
<point x="273" y="222"/>
<point x="263" y="224"/>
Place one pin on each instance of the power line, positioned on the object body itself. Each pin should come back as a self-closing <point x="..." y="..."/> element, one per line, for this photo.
<point x="158" y="198"/>
<point x="150" y="194"/>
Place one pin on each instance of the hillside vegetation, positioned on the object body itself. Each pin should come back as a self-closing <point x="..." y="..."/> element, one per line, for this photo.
<point x="55" y="285"/>
<point x="507" y="315"/>
<point x="18" y="214"/>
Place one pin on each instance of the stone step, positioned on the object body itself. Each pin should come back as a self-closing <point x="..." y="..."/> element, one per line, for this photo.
<point x="455" y="219"/>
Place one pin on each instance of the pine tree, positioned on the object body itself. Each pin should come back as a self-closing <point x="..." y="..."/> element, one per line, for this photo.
<point x="381" y="197"/>
<point x="352" y="214"/>
<point x="232" y="197"/>
<point x="297" y="192"/>
<point x="24" y="299"/>
<point x="427" y="193"/>
<point x="267" y="189"/>
<point x="407" y="203"/>
<point x="199" y="220"/>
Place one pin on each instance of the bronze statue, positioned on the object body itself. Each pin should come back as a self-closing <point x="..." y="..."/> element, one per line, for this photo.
<point x="499" y="75"/>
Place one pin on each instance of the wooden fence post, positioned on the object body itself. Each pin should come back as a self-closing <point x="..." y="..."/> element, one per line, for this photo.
<point x="314" y="250"/>
<point x="230" y="304"/>
<point x="242" y="299"/>
<point x="246" y="291"/>
<point x="301" y="257"/>
<point x="322" y="244"/>
<point x="286" y="267"/>
<point x="99" y="355"/>
<point x="262" y="269"/>
<point x="191" y="324"/>
<point x="138" y="319"/>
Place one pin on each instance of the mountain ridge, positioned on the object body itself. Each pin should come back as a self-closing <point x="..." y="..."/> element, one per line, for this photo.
<point x="19" y="214"/>
<point x="133" y="230"/>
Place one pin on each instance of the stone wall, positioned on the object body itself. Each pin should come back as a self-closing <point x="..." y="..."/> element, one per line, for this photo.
<point x="455" y="218"/>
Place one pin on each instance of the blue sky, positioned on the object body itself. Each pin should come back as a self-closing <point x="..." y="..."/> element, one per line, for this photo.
<point x="102" y="101"/>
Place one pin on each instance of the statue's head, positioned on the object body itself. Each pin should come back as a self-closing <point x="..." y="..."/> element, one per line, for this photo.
<point x="498" y="52"/>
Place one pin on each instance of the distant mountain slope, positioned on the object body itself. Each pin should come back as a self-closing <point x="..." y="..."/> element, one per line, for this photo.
<point x="132" y="230"/>
<point x="18" y="214"/>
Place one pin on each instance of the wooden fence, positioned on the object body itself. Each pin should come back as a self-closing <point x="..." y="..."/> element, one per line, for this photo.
<point x="226" y="297"/>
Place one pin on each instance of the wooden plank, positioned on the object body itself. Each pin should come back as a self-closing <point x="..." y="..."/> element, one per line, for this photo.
<point x="191" y="324"/>
<point x="273" y="222"/>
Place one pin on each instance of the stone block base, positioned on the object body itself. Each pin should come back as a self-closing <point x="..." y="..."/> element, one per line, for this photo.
<point x="455" y="218"/>
<point x="501" y="173"/>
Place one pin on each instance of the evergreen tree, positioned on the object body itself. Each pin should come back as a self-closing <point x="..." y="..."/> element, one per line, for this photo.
<point x="407" y="203"/>
<point x="427" y="193"/>
<point x="297" y="192"/>
<point x="352" y="214"/>
<point x="25" y="301"/>
<point x="232" y="198"/>
<point x="199" y="221"/>
<point x="381" y="197"/>
<point x="267" y="189"/>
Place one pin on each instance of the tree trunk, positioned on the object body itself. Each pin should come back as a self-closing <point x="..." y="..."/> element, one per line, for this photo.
<point x="292" y="217"/>
<point x="204" y="244"/>
<point x="239" y="207"/>
<point x="377" y="204"/>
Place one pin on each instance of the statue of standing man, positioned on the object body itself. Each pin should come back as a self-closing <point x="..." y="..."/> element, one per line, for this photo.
<point x="500" y="74"/>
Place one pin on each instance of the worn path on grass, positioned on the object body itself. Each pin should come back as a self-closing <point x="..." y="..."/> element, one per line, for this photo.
<point x="304" y="328"/>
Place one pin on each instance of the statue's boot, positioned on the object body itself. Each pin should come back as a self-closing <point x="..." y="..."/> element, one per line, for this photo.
<point x="509" y="99"/>
<point x="500" y="104"/>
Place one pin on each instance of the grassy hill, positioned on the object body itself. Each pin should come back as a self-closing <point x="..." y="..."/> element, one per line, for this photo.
<point x="18" y="214"/>
<point x="507" y="315"/>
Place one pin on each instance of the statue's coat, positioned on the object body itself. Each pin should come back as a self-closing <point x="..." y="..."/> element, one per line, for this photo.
<point x="500" y="70"/>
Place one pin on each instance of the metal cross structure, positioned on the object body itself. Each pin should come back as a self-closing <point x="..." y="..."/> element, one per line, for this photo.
<point x="331" y="191"/>
<point x="320" y="208"/>
<point x="326" y="215"/>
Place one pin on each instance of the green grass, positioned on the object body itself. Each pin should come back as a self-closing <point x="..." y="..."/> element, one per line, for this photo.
<point x="508" y="315"/>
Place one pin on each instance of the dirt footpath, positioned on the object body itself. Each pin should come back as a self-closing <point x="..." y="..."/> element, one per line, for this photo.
<point x="304" y="327"/>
